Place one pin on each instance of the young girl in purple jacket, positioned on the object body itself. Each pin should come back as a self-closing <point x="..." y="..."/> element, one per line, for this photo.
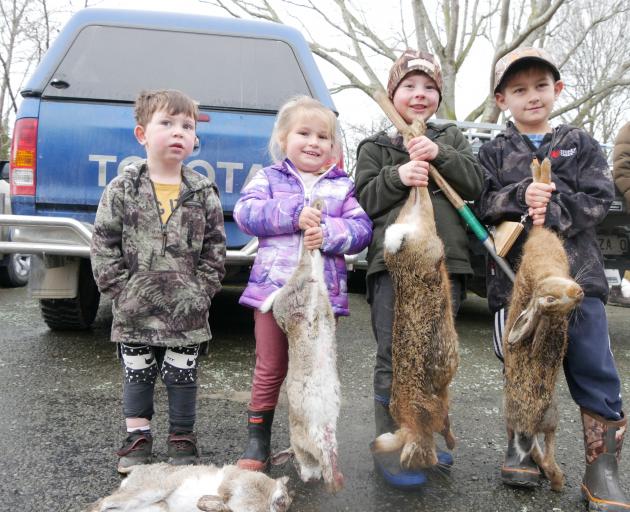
<point x="276" y="207"/>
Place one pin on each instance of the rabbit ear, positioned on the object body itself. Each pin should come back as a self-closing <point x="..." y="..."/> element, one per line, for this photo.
<point x="525" y="324"/>
<point x="541" y="172"/>
<point x="535" y="167"/>
<point x="545" y="171"/>
<point x="281" y="457"/>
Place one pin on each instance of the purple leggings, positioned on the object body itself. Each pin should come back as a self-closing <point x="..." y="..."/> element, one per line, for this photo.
<point x="272" y="362"/>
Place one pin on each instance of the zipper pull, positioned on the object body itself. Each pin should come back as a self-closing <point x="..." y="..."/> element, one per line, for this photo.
<point x="164" y="240"/>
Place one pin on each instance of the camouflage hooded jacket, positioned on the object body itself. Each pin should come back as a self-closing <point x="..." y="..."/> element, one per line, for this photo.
<point x="584" y="191"/>
<point x="161" y="277"/>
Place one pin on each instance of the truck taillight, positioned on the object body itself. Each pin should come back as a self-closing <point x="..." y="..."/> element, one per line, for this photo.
<point x="23" y="164"/>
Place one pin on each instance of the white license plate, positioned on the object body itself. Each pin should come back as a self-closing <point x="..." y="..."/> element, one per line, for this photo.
<point x="613" y="276"/>
<point x="613" y="245"/>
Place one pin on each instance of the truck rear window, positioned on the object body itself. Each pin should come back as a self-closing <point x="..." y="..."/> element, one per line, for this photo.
<point x="115" y="63"/>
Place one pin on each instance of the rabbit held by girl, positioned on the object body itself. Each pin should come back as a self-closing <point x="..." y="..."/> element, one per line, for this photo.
<point x="277" y="207"/>
<point x="424" y="340"/>
<point x="302" y="310"/>
<point x="166" y="488"/>
<point x="535" y="342"/>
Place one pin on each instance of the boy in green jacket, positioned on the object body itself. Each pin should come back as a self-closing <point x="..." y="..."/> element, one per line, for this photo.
<point x="386" y="170"/>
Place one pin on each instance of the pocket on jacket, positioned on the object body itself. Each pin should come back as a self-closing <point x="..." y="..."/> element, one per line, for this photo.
<point x="332" y="276"/>
<point x="193" y="224"/>
<point x="162" y="300"/>
<point x="265" y="261"/>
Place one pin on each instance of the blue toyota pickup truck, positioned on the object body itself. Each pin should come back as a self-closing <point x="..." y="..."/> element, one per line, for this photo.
<point x="74" y="129"/>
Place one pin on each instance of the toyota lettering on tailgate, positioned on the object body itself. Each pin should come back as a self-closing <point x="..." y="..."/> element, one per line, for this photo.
<point x="202" y="166"/>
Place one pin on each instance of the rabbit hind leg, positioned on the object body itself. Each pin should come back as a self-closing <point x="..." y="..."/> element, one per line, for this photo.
<point x="549" y="465"/>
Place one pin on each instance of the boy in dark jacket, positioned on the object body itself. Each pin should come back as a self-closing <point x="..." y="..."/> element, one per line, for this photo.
<point x="386" y="170"/>
<point x="158" y="251"/>
<point x="527" y="83"/>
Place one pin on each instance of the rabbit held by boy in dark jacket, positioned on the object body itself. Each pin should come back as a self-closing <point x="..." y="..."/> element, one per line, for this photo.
<point x="583" y="195"/>
<point x="186" y="488"/>
<point x="535" y="342"/>
<point x="424" y="339"/>
<point x="303" y="311"/>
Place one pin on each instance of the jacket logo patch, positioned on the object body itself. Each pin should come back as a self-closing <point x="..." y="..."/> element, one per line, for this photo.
<point x="563" y="152"/>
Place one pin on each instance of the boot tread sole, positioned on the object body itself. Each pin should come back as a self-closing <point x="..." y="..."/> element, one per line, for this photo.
<point x="252" y="464"/>
<point x="520" y="477"/>
<point x="590" y="498"/>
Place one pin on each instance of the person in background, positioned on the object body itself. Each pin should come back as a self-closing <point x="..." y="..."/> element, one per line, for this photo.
<point x="620" y="295"/>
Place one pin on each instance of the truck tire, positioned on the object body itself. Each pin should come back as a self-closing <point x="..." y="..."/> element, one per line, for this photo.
<point x="16" y="272"/>
<point x="74" y="314"/>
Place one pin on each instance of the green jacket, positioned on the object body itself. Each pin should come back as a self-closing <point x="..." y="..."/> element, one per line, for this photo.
<point x="382" y="194"/>
<point x="161" y="277"/>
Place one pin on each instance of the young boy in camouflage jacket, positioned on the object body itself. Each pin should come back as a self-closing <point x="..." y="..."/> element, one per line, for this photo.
<point x="158" y="251"/>
<point x="527" y="83"/>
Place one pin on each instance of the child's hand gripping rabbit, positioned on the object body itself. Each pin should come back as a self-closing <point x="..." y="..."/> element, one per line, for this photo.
<point x="303" y="311"/>
<point x="165" y="488"/>
<point x="535" y="341"/>
<point x="424" y="339"/>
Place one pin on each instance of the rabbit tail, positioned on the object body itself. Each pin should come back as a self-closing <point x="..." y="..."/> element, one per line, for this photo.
<point x="419" y="420"/>
<point x="417" y="450"/>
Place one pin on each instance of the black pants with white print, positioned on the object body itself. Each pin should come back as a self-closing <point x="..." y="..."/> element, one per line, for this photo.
<point x="177" y="367"/>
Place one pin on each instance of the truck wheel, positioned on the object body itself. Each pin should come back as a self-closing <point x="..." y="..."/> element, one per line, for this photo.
<point x="74" y="314"/>
<point x="16" y="272"/>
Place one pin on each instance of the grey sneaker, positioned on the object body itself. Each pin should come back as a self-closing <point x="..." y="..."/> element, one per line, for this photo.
<point x="182" y="449"/>
<point x="136" y="449"/>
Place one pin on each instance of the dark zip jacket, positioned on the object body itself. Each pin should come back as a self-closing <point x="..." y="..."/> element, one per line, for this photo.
<point x="382" y="194"/>
<point x="584" y="191"/>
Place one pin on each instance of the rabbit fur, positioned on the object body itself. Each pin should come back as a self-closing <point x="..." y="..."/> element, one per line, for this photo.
<point x="303" y="311"/>
<point x="424" y="340"/>
<point x="165" y="488"/>
<point x="535" y="341"/>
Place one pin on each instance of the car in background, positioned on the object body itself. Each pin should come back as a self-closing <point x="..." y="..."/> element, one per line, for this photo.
<point x="73" y="131"/>
<point x="14" y="268"/>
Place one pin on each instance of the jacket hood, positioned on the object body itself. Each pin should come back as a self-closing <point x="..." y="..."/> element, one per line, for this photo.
<point x="333" y="172"/>
<point x="193" y="180"/>
<point x="512" y="131"/>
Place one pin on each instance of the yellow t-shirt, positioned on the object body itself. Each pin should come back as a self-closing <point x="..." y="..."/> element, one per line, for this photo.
<point x="167" y="196"/>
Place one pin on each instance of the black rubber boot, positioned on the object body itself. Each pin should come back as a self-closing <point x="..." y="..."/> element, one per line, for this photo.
<point x="519" y="471"/>
<point x="603" y="441"/>
<point x="258" y="450"/>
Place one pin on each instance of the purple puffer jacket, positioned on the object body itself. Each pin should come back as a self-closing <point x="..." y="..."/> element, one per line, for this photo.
<point x="269" y="208"/>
